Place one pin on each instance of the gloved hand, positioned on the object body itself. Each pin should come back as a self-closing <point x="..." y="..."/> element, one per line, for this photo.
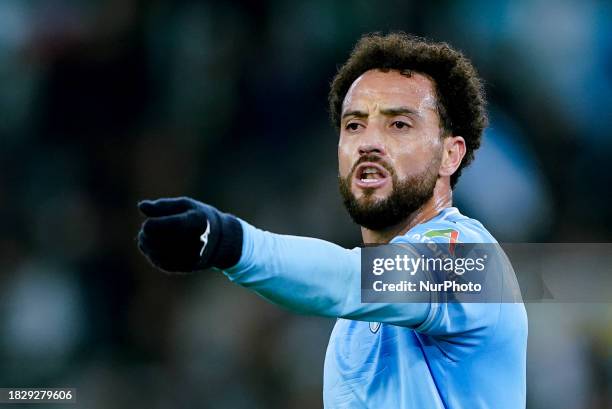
<point x="184" y="235"/>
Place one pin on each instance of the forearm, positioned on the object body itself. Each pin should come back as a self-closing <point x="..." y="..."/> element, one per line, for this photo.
<point x="312" y="276"/>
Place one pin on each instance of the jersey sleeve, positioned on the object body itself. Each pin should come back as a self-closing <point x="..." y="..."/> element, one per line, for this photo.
<point x="313" y="276"/>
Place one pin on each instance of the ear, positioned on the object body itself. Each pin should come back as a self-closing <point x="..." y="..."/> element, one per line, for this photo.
<point x="454" y="151"/>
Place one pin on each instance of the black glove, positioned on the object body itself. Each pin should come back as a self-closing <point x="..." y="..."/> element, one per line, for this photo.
<point x="184" y="235"/>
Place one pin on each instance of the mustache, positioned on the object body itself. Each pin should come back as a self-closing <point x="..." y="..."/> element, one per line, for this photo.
<point x="374" y="159"/>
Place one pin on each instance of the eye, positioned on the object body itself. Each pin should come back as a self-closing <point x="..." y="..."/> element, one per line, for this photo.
<point x="352" y="126"/>
<point x="400" y="125"/>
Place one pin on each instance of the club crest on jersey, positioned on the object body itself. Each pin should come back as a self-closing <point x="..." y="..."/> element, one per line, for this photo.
<point x="374" y="327"/>
<point x="450" y="234"/>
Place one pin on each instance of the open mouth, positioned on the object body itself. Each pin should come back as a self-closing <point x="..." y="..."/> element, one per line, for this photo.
<point x="370" y="175"/>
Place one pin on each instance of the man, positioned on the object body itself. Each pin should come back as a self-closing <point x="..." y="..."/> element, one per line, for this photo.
<point x="410" y="115"/>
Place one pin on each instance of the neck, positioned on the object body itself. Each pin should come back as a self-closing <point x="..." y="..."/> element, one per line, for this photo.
<point x="441" y="199"/>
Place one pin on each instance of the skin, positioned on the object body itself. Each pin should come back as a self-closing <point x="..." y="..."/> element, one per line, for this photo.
<point x="394" y="116"/>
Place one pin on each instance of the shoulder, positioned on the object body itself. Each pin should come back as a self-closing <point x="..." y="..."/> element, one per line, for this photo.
<point x="449" y="226"/>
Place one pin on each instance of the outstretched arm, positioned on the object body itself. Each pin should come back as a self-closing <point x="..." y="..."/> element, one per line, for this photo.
<point x="302" y="274"/>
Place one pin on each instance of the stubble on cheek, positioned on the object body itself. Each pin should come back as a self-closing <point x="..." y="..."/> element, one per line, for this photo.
<point x="344" y="161"/>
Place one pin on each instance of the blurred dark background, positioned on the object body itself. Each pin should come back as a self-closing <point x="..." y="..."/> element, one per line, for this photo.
<point x="103" y="103"/>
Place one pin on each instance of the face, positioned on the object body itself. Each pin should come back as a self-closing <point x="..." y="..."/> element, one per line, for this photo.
<point x="390" y="147"/>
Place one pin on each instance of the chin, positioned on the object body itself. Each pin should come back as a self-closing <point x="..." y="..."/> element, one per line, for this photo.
<point x="369" y="195"/>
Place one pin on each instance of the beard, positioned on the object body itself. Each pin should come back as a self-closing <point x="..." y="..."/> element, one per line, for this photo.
<point x="407" y="196"/>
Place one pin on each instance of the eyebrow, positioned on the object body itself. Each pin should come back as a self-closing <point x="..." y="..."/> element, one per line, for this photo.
<point x="386" y="111"/>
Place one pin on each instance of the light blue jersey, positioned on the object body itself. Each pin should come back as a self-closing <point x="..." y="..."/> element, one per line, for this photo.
<point x="394" y="355"/>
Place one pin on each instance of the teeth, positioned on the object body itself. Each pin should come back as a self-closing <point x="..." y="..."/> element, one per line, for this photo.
<point x="370" y="174"/>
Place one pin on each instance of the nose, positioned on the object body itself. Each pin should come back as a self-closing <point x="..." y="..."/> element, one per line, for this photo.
<point x="371" y="142"/>
<point x="371" y="148"/>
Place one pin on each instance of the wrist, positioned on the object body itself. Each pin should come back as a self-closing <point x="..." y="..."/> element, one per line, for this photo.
<point x="229" y="247"/>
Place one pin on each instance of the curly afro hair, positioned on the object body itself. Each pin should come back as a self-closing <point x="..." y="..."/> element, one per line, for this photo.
<point x="460" y="96"/>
